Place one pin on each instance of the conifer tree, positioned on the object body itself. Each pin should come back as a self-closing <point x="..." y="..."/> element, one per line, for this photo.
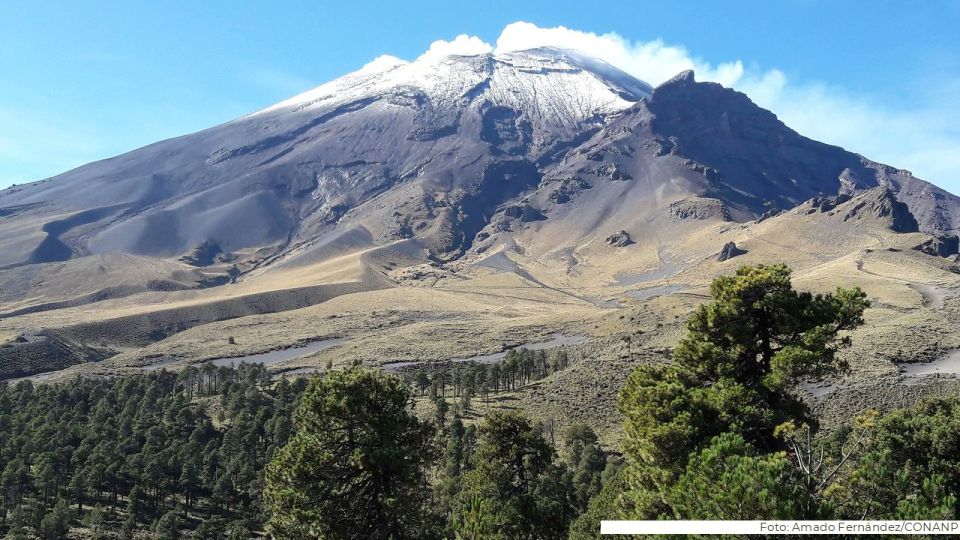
<point x="356" y="467"/>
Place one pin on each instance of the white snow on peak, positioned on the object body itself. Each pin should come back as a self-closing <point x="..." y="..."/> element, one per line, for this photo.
<point x="555" y="85"/>
<point x="341" y="86"/>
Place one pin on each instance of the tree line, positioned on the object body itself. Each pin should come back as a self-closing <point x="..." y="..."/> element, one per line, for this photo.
<point x="161" y="452"/>
<point x="719" y="432"/>
<point x="466" y="380"/>
<point x="181" y="454"/>
<point x="362" y="465"/>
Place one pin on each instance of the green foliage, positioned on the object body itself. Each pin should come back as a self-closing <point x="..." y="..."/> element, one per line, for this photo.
<point x="719" y="434"/>
<point x="912" y="469"/>
<point x="931" y="502"/>
<point x="524" y="493"/>
<point x="212" y="528"/>
<point x="56" y="522"/>
<point x="184" y="455"/>
<point x="473" y="522"/>
<point x="759" y="330"/>
<point x="459" y="442"/>
<point x="608" y="504"/>
<point x="356" y="466"/>
<point x="729" y="480"/>
<point x="130" y="450"/>
<point x="442" y="408"/>
<point x="735" y="368"/>
<point x="733" y="372"/>
<point x="168" y="526"/>
<point x="587" y="463"/>
<point x="96" y="522"/>
<point x="471" y="379"/>
<point x="928" y="436"/>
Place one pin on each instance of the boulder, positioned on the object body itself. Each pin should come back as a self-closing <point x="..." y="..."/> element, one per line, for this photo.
<point x="619" y="239"/>
<point x="773" y="212"/>
<point x="699" y="209"/>
<point x="729" y="251"/>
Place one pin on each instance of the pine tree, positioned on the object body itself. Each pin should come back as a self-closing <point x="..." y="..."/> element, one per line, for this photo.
<point x="356" y="467"/>
<point x="514" y="477"/>
<point x="56" y="522"/>
<point x="587" y="463"/>
<point x="734" y="371"/>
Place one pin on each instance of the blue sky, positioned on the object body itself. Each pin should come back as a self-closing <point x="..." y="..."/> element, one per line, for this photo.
<point x="85" y="81"/>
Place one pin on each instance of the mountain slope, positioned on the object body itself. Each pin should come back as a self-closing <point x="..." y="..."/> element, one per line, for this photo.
<point x="539" y="176"/>
<point x="288" y="174"/>
<point x="434" y="150"/>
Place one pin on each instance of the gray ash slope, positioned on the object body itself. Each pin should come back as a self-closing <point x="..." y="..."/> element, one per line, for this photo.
<point x="442" y="151"/>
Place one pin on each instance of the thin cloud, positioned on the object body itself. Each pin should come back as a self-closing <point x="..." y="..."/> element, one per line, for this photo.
<point x="921" y="135"/>
<point x="381" y="63"/>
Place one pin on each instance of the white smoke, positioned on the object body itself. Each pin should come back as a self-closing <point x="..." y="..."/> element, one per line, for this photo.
<point x="462" y="45"/>
<point x="381" y="63"/>
<point x="652" y="61"/>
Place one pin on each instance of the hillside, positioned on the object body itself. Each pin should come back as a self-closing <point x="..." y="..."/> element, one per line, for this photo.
<point x="458" y="206"/>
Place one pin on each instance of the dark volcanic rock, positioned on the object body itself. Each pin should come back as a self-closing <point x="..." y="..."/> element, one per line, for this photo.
<point x="203" y="255"/>
<point x="882" y="204"/>
<point x="569" y="187"/>
<point x="685" y="78"/>
<point x="699" y="209"/>
<point x="524" y="212"/>
<point x="476" y="133"/>
<point x="729" y="251"/>
<point x="825" y="204"/>
<point x="761" y="161"/>
<point x="773" y="212"/>
<point x="619" y="239"/>
<point x="940" y="246"/>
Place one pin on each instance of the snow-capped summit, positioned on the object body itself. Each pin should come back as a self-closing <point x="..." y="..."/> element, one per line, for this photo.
<point x="454" y="153"/>
<point x="559" y="87"/>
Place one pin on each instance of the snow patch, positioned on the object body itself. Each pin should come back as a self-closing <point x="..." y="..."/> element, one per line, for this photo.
<point x="560" y="86"/>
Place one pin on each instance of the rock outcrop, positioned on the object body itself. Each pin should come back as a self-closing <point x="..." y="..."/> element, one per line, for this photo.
<point x="204" y="254"/>
<point x="700" y="209"/>
<point x="773" y="212"/>
<point x="940" y="246"/>
<point x="619" y="239"/>
<point x="882" y="204"/>
<point x="524" y="212"/>
<point x="825" y="204"/>
<point x="729" y="251"/>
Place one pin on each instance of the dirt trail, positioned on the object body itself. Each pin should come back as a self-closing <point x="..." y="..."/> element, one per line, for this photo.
<point x="933" y="295"/>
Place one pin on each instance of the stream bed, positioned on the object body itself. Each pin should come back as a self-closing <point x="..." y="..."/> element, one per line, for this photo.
<point x="947" y="365"/>
<point x="279" y="355"/>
